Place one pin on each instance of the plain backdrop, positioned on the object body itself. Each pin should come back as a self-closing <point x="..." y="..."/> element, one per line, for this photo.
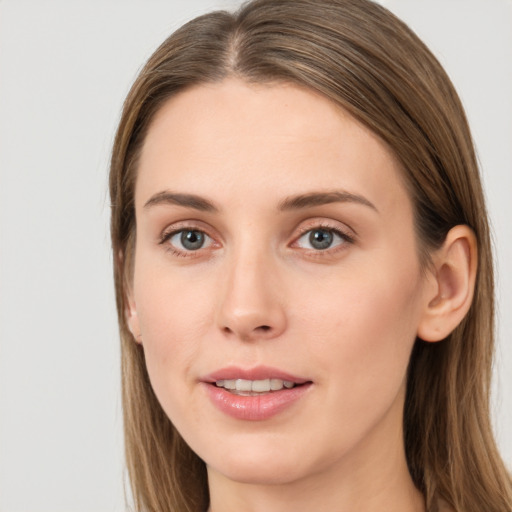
<point x="65" y="67"/>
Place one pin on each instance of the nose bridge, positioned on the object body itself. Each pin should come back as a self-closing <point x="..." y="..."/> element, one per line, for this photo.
<point x="251" y="305"/>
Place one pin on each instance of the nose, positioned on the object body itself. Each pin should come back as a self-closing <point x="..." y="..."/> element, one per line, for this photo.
<point x="251" y="304"/>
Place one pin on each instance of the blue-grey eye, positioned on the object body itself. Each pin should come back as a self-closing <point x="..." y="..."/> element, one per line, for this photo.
<point x="192" y="240"/>
<point x="189" y="239"/>
<point x="320" y="239"/>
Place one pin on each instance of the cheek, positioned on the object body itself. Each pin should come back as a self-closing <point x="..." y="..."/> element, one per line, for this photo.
<point x="362" y="333"/>
<point x="175" y="315"/>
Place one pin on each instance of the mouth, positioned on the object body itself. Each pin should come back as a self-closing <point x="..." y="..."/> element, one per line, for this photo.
<point x="255" y="394"/>
<point x="261" y="379"/>
<point x="245" y="387"/>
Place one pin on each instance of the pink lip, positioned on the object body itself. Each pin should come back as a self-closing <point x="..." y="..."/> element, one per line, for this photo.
<point x="259" y="407"/>
<point x="257" y="373"/>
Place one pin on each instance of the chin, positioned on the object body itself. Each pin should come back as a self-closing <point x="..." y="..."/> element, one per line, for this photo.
<point x="258" y="464"/>
<point x="259" y="474"/>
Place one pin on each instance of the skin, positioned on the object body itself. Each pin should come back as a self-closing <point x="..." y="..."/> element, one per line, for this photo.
<point x="258" y="293"/>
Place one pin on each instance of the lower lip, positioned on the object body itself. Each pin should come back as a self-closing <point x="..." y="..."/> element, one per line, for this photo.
<point x="255" y="408"/>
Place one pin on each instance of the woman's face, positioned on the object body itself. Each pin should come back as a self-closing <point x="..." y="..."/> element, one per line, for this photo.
<point x="276" y="255"/>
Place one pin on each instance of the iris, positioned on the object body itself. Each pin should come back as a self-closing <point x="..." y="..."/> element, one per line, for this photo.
<point x="321" y="239"/>
<point x="192" y="240"/>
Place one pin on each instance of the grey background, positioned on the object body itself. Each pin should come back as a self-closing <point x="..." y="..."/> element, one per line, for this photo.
<point x="65" y="67"/>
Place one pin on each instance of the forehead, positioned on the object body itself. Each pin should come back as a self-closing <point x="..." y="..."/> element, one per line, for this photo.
<point x="238" y="139"/>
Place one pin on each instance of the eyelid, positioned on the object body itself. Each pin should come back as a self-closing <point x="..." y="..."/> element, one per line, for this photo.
<point x="184" y="225"/>
<point x="328" y="225"/>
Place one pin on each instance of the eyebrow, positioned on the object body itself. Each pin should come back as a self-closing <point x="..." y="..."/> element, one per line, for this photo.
<point x="320" y="198"/>
<point x="187" y="200"/>
<point x="298" y="202"/>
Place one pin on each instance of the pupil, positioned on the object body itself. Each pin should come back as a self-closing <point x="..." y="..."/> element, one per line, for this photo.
<point x="192" y="240"/>
<point x="320" y="239"/>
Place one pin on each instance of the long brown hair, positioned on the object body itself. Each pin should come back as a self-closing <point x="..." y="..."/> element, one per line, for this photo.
<point x="365" y="60"/>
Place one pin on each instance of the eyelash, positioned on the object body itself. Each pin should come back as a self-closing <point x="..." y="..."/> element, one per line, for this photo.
<point x="323" y="226"/>
<point x="167" y="235"/>
<point x="317" y="226"/>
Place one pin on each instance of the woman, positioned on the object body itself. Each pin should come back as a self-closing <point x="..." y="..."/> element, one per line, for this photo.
<point x="303" y="270"/>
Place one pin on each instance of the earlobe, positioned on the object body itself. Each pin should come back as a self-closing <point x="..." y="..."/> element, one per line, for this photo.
<point x="452" y="285"/>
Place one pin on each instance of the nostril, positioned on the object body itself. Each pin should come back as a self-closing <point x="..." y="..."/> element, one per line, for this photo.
<point x="247" y="332"/>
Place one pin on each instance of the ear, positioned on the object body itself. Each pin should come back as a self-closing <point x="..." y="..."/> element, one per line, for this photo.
<point x="451" y="285"/>
<point x="132" y="321"/>
<point x="130" y="314"/>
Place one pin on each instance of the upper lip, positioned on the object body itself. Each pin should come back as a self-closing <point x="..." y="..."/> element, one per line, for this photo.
<point x="256" y="373"/>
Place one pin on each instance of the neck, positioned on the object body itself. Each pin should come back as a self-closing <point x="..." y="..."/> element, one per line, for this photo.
<point x="371" y="478"/>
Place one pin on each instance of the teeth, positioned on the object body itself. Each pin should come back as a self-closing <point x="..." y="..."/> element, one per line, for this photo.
<point x="276" y="384"/>
<point x="243" y="385"/>
<point x="230" y="384"/>
<point x="255" y="386"/>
